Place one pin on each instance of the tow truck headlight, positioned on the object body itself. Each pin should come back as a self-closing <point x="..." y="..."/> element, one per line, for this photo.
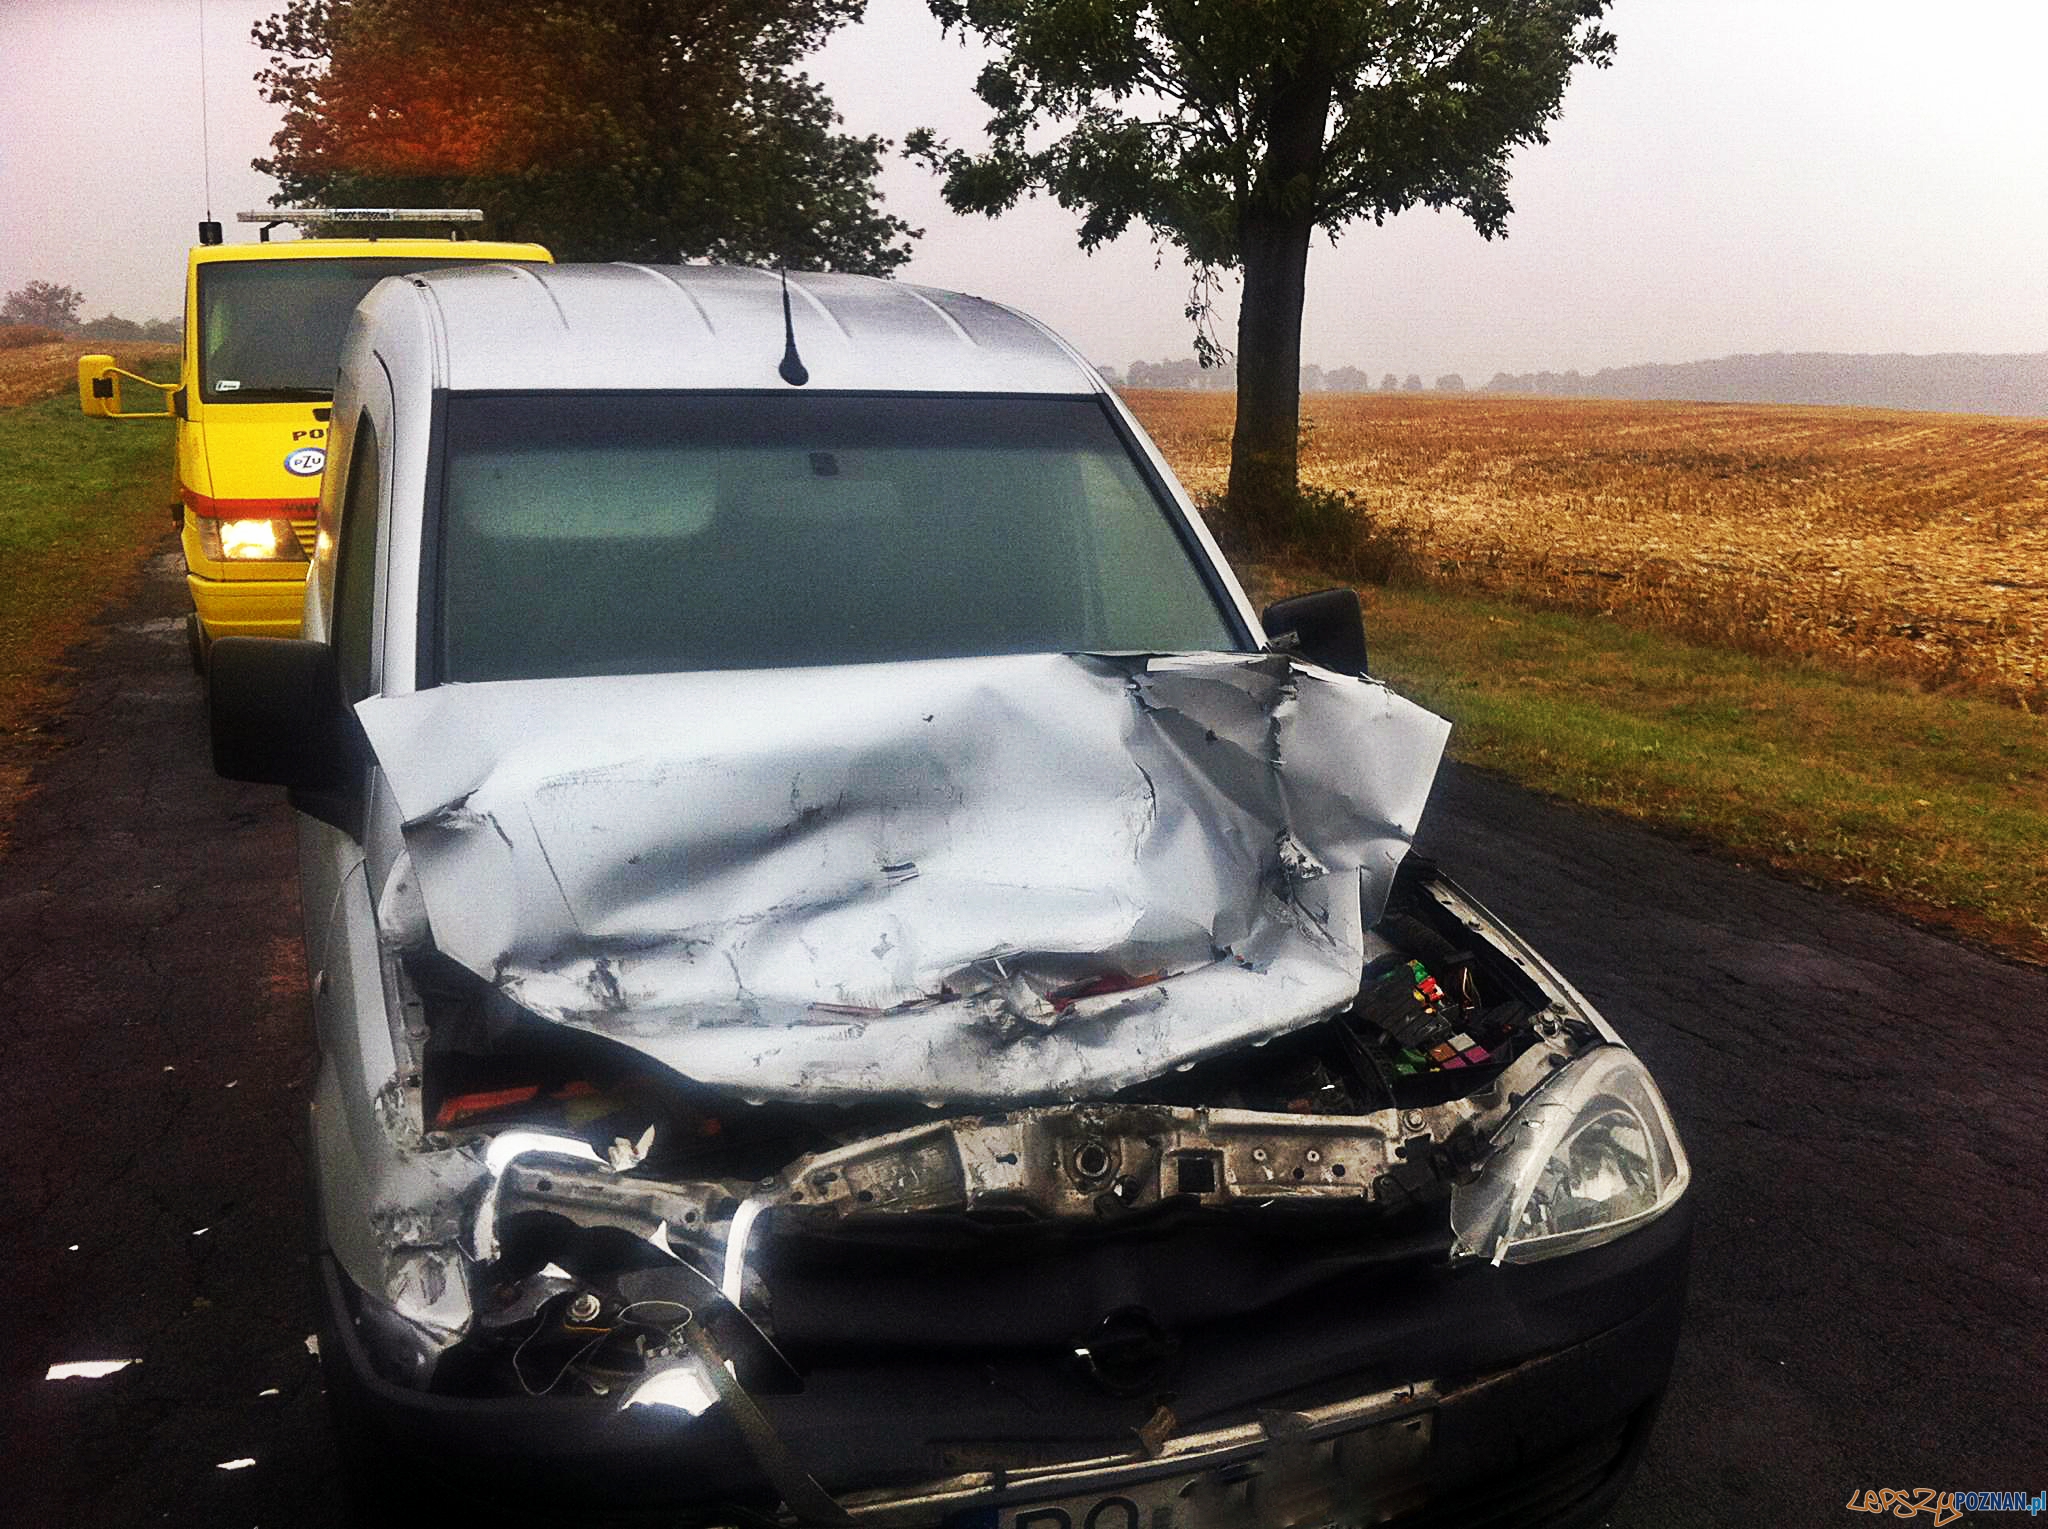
<point x="1590" y="1156"/>
<point x="268" y="540"/>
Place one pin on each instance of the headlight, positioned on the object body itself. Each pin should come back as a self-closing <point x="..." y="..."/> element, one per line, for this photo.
<point x="250" y="541"/>
<point x="1591" y="1155"/>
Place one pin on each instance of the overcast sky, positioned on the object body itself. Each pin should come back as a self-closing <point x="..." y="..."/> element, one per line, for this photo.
<point x="1751" y="175"/>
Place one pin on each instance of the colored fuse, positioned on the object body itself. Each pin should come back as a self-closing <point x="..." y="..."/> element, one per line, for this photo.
<point x="1476" y="1055"/>
<point x="1462" y="1042"/>
<point x="1456" y="1061"/>
<point x="1442" y="1052"/>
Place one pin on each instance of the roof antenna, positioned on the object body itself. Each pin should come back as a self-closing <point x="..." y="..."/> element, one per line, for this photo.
<point x="209" y="231"/>
<point x="792" y="370"/>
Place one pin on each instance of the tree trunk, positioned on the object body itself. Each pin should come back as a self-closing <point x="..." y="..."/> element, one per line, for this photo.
<point x="1273" y="229"/>
<point x="1265" y="445"/>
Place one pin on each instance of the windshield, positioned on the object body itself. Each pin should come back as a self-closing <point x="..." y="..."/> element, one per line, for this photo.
<point x="662" y="533"/>
<point x="271" y="329"/>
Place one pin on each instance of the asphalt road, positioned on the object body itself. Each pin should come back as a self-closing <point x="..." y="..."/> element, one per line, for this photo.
<point x="1866" y="1105"/>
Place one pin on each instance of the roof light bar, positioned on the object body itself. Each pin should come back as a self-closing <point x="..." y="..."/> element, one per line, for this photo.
<point x="364" y="215"/>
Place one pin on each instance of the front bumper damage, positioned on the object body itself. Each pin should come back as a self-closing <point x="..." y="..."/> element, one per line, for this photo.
<point x="894" y="1128"/>
<point x="1516" y="1391"/>
<point x="1029" y="1306"/>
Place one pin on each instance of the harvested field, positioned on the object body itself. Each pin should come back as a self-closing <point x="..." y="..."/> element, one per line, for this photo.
<point x="35" y="363"/>
<point x="1909" y="544"/>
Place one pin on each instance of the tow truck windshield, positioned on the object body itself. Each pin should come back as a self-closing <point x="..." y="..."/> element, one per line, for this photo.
<point x="271" y="329"/>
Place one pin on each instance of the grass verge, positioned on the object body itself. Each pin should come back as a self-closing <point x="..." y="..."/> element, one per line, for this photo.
<point x="1935" y="806"/>
<point x="81" y="500"/>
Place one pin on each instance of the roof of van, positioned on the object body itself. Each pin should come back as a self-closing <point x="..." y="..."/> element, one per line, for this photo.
<point x="624" y="326"/>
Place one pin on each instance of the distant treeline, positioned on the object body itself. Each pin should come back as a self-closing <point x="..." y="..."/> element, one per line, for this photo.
<point x="1960" y="383"/>
<point x="113" y="327"/>
<point x="1190" y="373"/>
<point x="108" y="327"/>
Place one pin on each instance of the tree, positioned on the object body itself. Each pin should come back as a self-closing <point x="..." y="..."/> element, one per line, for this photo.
<point x="111" y="326"/>
<point x="661" y="130"/>
<point x="1389" y="383"/>
<point x="1235" y="130"/>
<point x="1450" y="382"/>
<point x="42" y="302"/>
<point x="1412" y="385"/>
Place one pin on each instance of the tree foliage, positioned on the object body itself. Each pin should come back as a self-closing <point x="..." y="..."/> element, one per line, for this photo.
<point x="42" y="302"/>
<point x="112" y="326"/>
<point x="651" y="130"/>
<point x="1233" y="129"/>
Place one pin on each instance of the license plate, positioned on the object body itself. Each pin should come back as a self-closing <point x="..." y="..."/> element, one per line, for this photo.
<point x="1231" y="1499"/>
<point x="1169" y="1503"/>
<point x="1337" y="1483"/>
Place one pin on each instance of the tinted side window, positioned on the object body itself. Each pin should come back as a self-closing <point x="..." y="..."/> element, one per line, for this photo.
<point x="355" y="571"/>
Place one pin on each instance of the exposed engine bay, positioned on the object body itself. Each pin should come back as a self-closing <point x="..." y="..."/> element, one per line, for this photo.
<point x="627" y="1221"/>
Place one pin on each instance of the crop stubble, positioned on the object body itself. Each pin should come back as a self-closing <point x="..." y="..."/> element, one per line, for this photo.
<point x="1911" y="544"/>
<point x="35" y="363"/>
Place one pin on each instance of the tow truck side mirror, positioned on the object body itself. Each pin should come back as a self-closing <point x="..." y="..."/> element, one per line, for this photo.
<point x="275" y="710"/>
<point x="96" y="385"/>
<point x="99" y="391"/>
<point x="1326" y="628"/>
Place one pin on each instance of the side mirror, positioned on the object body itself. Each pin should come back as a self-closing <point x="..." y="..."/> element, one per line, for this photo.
<point x="274" y="706"/>
<point x="1326" y="628"/>
<point x="96" y="386"/>
<point x="99" y="391"/>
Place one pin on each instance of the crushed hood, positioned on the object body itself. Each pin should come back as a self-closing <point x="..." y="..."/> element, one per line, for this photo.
<point x="999" y="880"/>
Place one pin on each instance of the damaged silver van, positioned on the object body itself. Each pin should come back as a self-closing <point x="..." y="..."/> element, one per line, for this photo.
<point x="857" y="980"/>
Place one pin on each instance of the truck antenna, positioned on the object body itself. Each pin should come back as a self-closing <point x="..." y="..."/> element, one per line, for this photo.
<point x="205" y="135"/>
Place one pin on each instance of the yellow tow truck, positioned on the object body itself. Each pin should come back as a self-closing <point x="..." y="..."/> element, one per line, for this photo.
<point x="263" y="330"/>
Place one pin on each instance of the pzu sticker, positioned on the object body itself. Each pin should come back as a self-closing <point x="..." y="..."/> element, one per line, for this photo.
<point x="306" y="462"/>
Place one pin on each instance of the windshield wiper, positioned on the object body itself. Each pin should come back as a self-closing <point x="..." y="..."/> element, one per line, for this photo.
<point x="280" y="391"/>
